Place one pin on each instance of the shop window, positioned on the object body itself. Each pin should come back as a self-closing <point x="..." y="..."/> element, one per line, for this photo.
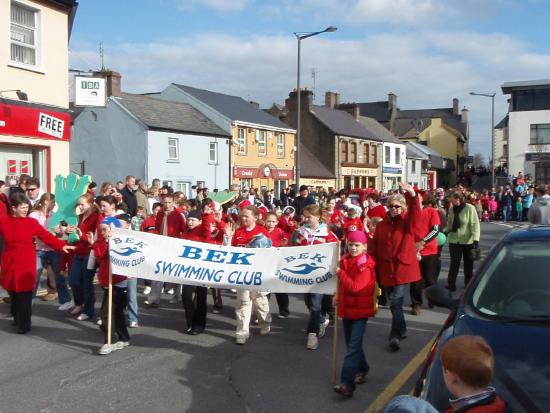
<point x="413" y="166"/>
<point x="246" y="183"/>
<point x="213" y="153"/>
<point x="280" y="145"/>
<point x="24" y="34"/>
<point x="241" y="142"/>
<point x="344" y="150"/>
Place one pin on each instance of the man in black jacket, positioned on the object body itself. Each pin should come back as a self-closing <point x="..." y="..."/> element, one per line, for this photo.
<point x="302" y="200"/>
<point x="129" y="195"/>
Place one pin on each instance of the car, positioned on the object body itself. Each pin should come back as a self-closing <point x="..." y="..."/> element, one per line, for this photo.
<point x="507" y="302"/>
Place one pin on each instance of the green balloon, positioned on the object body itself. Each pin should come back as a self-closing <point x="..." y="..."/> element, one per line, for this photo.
<point x="441" y="239"/>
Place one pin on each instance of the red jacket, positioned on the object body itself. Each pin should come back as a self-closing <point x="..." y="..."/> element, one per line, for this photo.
<point x="304" y="236"/>
<point x="243" y="236"/>
<point x="377" y="211"/>
<point x="278" y="237"/>
<point x="430" y="218"/>
<point x="149" y="225"/>
<point x="89" y="224"/>
<point x="18" y="263"/>
<point x="287" y="225"/>
<point x="394" y="248"/>
<point x="202" y="232"/>
<point x="352" y="224"/>
<point x="101" y="252"/>
<point x="496" y="406"/>
<point x="175" y="222"/>
<point x="356" y="287"/>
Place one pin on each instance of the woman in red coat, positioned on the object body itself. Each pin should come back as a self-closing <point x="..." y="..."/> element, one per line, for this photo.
<point x="394" y="249"/>
<point x="356" y="301"/>
<point x="19" y="258"/>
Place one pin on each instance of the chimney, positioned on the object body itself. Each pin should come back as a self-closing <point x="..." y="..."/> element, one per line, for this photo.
<point x="351" y="108"/>
<point x="455" y="106"/>
<point x="332" y="99"/>
<point x="113" y="82"/>
<point x="255" y="104"/>
<point x="464" y="115"/>
<point x="392" y="100"/>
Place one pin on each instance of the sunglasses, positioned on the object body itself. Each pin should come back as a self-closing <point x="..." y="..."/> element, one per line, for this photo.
<point x="32" y="189"/>
<point x="395" y="206"/>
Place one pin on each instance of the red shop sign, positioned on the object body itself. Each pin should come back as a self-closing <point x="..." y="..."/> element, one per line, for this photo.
<point x="283" y="173"/>
<point x="34" y="122"/>
<point x="241" y="172"/>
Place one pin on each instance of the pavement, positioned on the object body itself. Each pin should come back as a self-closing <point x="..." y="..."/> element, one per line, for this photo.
<point x="55" y="367"/>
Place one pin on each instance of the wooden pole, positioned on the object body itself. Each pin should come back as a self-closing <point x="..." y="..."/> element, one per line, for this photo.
<point x="110" y="307"/>
<point x="333" y="374"/>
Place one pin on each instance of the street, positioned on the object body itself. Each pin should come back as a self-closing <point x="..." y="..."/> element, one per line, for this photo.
<point x="55" y="368"/>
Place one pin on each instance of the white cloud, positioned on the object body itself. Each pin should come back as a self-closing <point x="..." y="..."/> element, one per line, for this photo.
<point x="219" y="5"/>
<point x="425" y="69"/>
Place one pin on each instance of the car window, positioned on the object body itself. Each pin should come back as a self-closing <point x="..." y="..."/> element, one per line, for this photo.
<point x="516" y="283"/>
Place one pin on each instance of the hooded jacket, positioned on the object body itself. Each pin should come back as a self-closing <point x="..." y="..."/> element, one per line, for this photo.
<point x="539" y="213"/>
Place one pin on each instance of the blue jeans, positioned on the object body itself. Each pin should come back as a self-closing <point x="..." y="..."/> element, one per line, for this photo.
<point x="52" y="258"/>
<point x="506" y="211"/>
<point x="396" y="296"/>
<point x="355" y="360"/>
<point x="132" y="300"/>
<point x="81" y="282"/>
<point x="314" y="303"/>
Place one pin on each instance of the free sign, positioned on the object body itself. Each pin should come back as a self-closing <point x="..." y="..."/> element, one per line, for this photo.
<point x="50" y="125"/>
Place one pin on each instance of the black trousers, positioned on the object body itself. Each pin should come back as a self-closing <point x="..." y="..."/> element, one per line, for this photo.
<point x="428" y="269"/>
<point x="282" y="302"/>
<point x="120" y="301"/>
<point x="195" y="310"/>
<point x="459" y="251"/>
<point x="21" y="309"/>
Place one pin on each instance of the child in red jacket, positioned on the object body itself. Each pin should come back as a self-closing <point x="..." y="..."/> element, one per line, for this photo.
<point x="356" y="300"/>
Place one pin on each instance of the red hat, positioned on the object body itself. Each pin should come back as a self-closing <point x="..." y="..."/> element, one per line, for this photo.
<point x="244" y="203"/>
<point x="357" y="236"/>
<point x="417" y="190"/>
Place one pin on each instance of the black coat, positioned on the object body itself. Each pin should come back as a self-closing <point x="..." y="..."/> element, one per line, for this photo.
<point x="129" y="198"/>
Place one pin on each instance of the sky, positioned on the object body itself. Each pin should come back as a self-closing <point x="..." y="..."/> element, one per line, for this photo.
<point x="427" y="52"/>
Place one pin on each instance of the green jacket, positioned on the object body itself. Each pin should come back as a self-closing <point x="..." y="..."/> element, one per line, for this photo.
<point x="469" y="230"/>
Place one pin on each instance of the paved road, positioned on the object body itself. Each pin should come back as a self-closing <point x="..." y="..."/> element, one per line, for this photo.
<point x="55" y="367"/>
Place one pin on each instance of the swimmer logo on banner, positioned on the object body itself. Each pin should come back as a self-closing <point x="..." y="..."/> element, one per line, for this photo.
<point x="310" y="269"/>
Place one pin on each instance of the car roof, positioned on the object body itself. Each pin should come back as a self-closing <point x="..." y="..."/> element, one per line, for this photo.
<point x="533" y="232"/>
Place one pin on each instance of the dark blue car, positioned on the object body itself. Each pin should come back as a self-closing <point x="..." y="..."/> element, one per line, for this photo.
<point x="508" y="304"/>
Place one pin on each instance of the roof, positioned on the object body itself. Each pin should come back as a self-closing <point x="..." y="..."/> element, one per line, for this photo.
<point x="341" y="123"/>
<point x="507" y="87"/>
<point x="503" y="123"/>
<point x="436" y="158"/>
<point x="379" y="130"/>
<point x="415" y="153"/>
<point x="311" y="167"/>
<point x="446" y="114"/>
<point x="410" y="127"/>
<point x="234" y="107"/>
<point x="376" y="110"/>
<point x="167" y="115"/>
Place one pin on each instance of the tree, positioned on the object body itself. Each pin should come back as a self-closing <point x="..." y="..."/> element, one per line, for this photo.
<point x="479" y="160"/>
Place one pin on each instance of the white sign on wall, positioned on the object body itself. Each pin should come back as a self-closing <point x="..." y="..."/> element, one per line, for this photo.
<point x="89" y="91"/>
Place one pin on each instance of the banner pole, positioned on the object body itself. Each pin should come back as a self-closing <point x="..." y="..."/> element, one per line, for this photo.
<point x="335" y="332"/>
<point x="110" y="306"/>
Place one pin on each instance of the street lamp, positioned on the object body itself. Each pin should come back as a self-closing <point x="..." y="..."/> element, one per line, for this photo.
<point x="301" y="36"/>
<point x="20" y="94"/>
<point x="492" y="96"/>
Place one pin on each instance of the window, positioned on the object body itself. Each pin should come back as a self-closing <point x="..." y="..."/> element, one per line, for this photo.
<point x="354" y="152"/>
<point x="387" y="154"/>
<point x="531" y="99"/>
<point x="280" y="145"/>
<point x="24" y="34"/>
<point x="398" y="156"/>
<point x="280" y="184"/>
<point x="260" y="137"/>
<point x="246" y="183"/>
<point x="413" y="166"/>
<point x="540" y="134"/>
<point x="374" y="155"/>
<point x="167" y="183"/>
<point x="213" y="153"/>
<point x="183" y="187"/>
<point x="366" y="153"/>
<point x="241" y="142"/>
<point x="173" y="149"/>
<point x="344" y="150"/>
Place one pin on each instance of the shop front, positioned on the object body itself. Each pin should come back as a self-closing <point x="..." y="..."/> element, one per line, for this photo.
<point x="264" y="177"/>
<point x="34" y="140"/>
<point x="356" y="177"/>
<point x="392" y="177"/>
<point x="538" y="165"/>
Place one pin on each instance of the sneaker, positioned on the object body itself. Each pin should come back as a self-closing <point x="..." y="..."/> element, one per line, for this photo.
<point x="147" y="290"/>
<point x="82" y="317"/>
<point x="150" y="303"/>
<point x="394" y="344"/>
<point x="119" y="345"/>
<point x="133" y="324"/>
<point x="65" y="306"/>
<point x="265" y="329"/>
<point x="99" y="322"/>
<point x="312" y="341"/>
<point x="323" y="328"/>
<point x="241" y="340"/>
<point x="105" y="349"/>
<point x="283" y="315"/>
<point x="170" y="291"/>
<point x="217" y="310"/>
<point x="415" y="310"/>
<point x="343" y="390"/>
<point x="360" y="378"/>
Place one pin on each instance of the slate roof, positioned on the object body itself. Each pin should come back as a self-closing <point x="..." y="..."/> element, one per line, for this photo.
<point x="410" y="127"/>
<point x="503" y="123"/>
<point x="414" y="153"/>
<point x="167" y="115"/>
<point x="446" y="115"/>
<point x="435" y="157"/>
<point x="376" y="110"/>
<point x="311" y="167"/>
<point x="234" y="107"/>
<point x="342" y="123"/>
<point x="379" y="130"/>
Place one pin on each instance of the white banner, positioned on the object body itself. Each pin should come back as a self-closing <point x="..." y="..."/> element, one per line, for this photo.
<point x="310" y="269"/>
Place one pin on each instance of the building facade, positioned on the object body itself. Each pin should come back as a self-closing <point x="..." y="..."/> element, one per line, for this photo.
<point x="35" y="125"/>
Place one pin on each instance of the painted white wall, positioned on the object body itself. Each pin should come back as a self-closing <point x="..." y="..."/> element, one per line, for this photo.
<point x="519" y="130"/>
<point x="390" y="179"/>
<point x="416" y="178"/>
<point x="193" y="164"/>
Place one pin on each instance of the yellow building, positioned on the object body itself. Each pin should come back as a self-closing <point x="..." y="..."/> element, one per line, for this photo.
<point x="35" y="125"/>
<point x="262" y="147"/>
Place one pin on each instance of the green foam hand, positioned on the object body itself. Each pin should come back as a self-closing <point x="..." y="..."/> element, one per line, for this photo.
<point x="67" y="191"/>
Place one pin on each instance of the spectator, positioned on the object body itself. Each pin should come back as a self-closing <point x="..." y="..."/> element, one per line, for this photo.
<point x="33" y="190"/>
<point x="128" y="193"/>
<point x="539" y="213"/>
<point x="141" y="196"/>
<point x="302" y="200"/>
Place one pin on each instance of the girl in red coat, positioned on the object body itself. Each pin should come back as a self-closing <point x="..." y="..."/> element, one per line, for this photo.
<point x="18" y="272"/>
<point x="279" y="238"/>
<point x="356" y="300"/>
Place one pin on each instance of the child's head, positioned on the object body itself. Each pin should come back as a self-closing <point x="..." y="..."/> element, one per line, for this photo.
<point x="194" y="219"/>
<point x="249" y="216"/>
<point x="311" y="215"/>
<point x="373" y="222"/>
<point x="468" y="364"/>
<point x="271" y="221"/>
<point x="107" y="224"/>
<point x="140" y="212"/>
<point x="356" y="243"/>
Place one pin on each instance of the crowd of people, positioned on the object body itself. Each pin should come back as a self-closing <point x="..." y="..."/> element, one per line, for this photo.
<point x="391" y="248"/>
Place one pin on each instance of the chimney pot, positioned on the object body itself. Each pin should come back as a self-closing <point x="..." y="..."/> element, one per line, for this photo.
<point x="464" y="115"/>
<point x="455" y="106"/>
<point x="392" y="100"/>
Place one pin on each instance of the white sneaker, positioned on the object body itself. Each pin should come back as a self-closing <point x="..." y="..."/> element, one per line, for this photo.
<point x="119" y="345"/>
<point x="66" y="306"/>
<point x="105" y="349"/>
<point x="170" y="291"/>
<point x="82" y="317"/>
<point x="133" y="324"/>
<point x="241" y="340"/>
<point x="99" y="322"/>
<point x="265" y="329"/>
<point x="323" y="327"/>
<point x="147" y="290"/>
<point x="312" y="341"/>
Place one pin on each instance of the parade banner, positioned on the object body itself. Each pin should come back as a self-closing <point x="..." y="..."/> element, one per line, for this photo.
<point x="310" y="269"/>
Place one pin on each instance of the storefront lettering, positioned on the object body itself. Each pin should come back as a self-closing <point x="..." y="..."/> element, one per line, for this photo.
<point x="359" y="171"/>
<point x="50" y="125"/>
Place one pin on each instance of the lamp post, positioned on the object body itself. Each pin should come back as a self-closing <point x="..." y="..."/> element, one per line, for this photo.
<point x="20" y="94"/>
<point x="492" y="96"/>
<point x="301" y="36"/>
